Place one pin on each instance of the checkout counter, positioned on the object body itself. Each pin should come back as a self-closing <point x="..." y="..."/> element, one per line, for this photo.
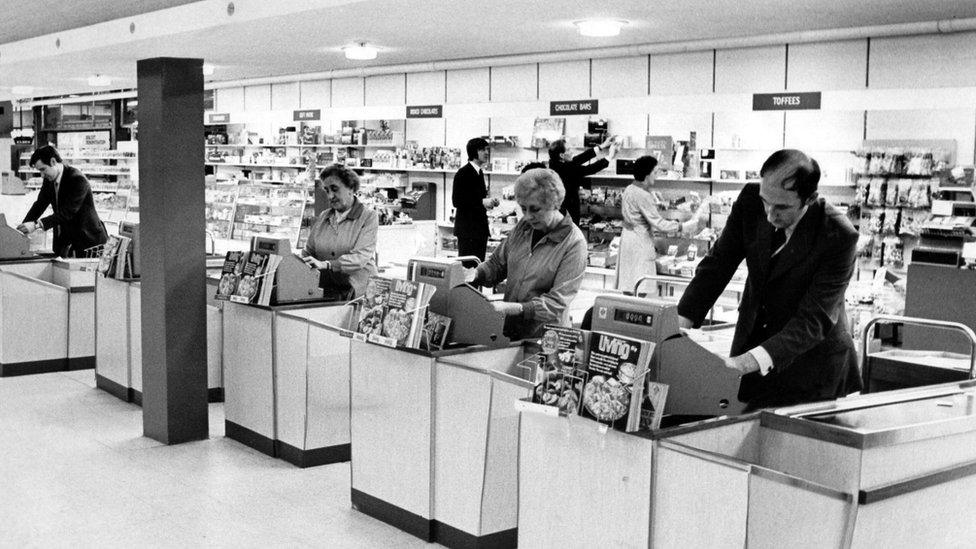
<point x="51" y="292"/>
<point x="448" y="419"/>
<point x="286" y="368"/>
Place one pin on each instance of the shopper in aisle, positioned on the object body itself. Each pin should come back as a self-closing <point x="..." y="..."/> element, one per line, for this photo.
<point x="791" y="342"/>
<point x="542" y="259"/>
<point x="573" y="170"/>
<point x="342" y="241"/>
<point x="641" y="218"/>
<point x="471" y="200"/>
<point x="76" y="224"/>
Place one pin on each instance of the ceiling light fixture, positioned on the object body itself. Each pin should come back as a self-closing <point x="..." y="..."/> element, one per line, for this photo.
<point x="22" y="90"/>
<point x="600" y="27"/>
<point x="208" y="69"/>
<point x="99" y="80"/>
<point x="360" y="52"/>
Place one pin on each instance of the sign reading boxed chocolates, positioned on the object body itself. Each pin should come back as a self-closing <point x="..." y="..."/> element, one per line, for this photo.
<point x="786" y="101"/>
<point x="578" y="106"/>
<point x="425" y="111"/>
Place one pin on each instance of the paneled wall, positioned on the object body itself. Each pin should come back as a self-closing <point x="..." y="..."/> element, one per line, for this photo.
<point x="873" y="88"/>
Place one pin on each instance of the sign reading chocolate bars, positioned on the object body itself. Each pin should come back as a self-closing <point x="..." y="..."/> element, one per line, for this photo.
<point x="786" y="101"/>
<point x="425" y="111"/>
<point x="579" y="106"/>
<point x="308" y="114"/>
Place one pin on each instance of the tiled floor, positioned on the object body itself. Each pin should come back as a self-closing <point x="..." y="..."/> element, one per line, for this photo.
<point x="75" y="471"/>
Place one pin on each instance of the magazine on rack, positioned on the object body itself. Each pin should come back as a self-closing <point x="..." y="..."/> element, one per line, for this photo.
<point x="652" y="409"/>
<point x="230" y="274"/>
<point x="249" y="284"/>
<point x="437" y="328"/>
<point x="561" y="371"/>
<point x="373" y="302"/>
<point x="393" y="311"/>
<point x="614" y="388"/>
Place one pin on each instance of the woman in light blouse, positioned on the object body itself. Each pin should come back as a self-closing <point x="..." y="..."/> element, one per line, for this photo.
<point x="342" y="241"/>
<point x="641" y="218"/>
<point x="543" y="259"/>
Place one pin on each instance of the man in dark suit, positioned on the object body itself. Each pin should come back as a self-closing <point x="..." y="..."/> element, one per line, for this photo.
<point x="573" y="170"/>
<point x="792" y="343"/>
<point x="73" y="217"/>
<point x="471" y="202"/>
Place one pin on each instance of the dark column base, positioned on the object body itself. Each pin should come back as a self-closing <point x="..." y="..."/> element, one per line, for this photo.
<point x="115" y="389"/>
<point x="430" y="530"/>
<point x="34" y="367"/>
<point x="250" y="438"/>
<point x="457" y="539"/>
<point x="410" y="523"/>
<point x="215" y="394"/>
<point x="310" y="458"/>
<point x="81" y="363"/>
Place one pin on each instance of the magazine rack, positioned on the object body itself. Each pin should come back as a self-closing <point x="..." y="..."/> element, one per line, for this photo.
<point x="448" y="419"/>
<point x="56" y="294"/>
<point x="251" y="343"/>
<point x="843" y="473"/>
<point x="118" y="341"/>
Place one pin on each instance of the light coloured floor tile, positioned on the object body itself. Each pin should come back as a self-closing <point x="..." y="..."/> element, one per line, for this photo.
<point x="77" y="472"/>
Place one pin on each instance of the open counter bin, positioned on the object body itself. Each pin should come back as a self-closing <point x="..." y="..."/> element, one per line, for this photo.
<point x="58" y="295"/>
<point x="872" y="471"/>
<point x="253" y="341"/>
<point x="435" y="441"/>
<point x="118" y="341"/>
<point x="311" y="384"/>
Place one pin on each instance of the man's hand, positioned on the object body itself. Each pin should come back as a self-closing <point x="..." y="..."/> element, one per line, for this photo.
<point x="27" y="227"/>
<point x="489" y="203"/>
<point x="685" y="323"/>
<point x="744" y="363"/>
<point x="507" y="308"/>
<point x="316" y="264"/>
<point x="470" y="275"/>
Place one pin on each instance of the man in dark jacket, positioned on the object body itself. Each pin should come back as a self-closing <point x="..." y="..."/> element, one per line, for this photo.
<point x="73" y="217"/>
<point x="792" y="342"/>
<point x="471" y="202"/>
<point x="573" y="170"/>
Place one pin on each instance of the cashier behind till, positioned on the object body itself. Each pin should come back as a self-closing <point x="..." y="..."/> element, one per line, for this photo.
<point x="791" y="343"/>
<point x="342" y="241"/>
<point x="543" y="259"/>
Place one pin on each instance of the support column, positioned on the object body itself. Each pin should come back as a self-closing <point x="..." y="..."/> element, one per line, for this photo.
<point x="172" y="229"/>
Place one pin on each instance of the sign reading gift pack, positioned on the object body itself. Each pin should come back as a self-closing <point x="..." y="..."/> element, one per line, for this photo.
<point x="786" y="101"/>
<point x="578" y="106"/>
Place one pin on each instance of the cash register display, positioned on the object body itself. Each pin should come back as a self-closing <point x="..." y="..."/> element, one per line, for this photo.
<point x="633" y="317"/>
<point x="264" y="246"/>
<point x="433" y="272"/>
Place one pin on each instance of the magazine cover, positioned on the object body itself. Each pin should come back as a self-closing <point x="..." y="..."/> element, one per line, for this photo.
<point x="374" y="300"/>
<point x="615" y="369"/>
<point x="403" y="312"/>
<point x="652" y="410"/>
<point x="106" y="261"/>
<point x="561" y="372"/>
<point x="250" y="281"/>
<point x="230" y="274"/>
<point x="437" y="329"/>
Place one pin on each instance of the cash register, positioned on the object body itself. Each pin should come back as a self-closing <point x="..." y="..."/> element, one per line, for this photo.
<point x="13" y="243"/>
<point x="699" y="383"/>
<point x="475" y="321"/>
<point x="294" y="280"/>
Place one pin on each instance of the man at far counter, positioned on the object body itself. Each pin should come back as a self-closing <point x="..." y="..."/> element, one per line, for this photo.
<point x="791" y="343"/>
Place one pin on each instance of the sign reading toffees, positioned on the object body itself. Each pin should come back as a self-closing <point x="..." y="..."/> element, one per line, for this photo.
<point x="219" y="118"/>
<point x="580" y="106"/>
<point x="425" y="111"/>
<point x="786" y="101"/>
<point x="308" y="114"/>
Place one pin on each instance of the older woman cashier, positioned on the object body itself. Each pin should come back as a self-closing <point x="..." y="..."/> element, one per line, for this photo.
<point x="342" y="241"/>
<point x="543" y="259"/>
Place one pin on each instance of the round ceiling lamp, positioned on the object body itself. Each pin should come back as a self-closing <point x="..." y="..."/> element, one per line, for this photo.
<point x="600" y="27"/>
<point x="99" y="81"/>
<point x="360" y="52"/>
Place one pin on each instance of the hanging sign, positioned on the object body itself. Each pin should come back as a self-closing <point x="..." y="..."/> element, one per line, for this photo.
<point x="579" y="106"/>
<point x="219" y="118"/>
<point x="425" y="111"/>
<point x="308" y="114"/>
<point x="786" y="101"/>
